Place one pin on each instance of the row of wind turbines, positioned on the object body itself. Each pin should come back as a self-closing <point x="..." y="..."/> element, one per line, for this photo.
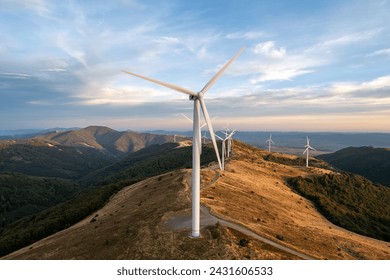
<point x="306" y="151"/>
<point x="199" y="104"/>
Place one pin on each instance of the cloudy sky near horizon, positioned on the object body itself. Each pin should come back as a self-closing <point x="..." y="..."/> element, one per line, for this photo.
<point x="308" y="65"/>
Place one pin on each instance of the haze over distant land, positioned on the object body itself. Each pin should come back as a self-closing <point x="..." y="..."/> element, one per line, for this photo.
<point x="308" y="66"/>
<point x="285" y="142"/>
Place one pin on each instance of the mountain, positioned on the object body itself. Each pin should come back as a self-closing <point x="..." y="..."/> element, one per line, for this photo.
<point x="372" y="163"/>
<point x="106" y="140"/>
<point x="263" y="206"/>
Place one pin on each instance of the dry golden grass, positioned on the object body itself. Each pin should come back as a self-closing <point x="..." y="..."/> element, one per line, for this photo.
<point x="254" y="193"/>
<point x="251" y="191"/>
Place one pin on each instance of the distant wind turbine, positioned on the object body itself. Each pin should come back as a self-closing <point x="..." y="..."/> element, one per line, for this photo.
<point x="308" y="148"/>
<point x="204" y="138"/>
<point x="224" y="148"/>
<point x="197" y="97"/>
<point x="200" y="130"/>
<point x="270" y="142"/>
<point x="230" y="139"/>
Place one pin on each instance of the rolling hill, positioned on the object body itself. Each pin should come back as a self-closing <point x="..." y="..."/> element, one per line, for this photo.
<point x="106" y="140"/>
<point x="258" y="208"/>
<point x="372" y="163"/>
<point x="94" y="190"/>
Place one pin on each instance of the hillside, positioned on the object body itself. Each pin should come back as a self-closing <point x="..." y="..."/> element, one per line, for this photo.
<point x="145" y="163"/>
<point x="372" y="163"/>
<point x="106" y="140"/>
<point x="36" y="157"/>
<point x="149" y="219"/>
<point x="22" y="195"/>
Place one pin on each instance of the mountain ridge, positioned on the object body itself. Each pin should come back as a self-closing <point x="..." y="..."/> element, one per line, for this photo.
<point x="372" y="163"/>
<point x="107" y="140"/>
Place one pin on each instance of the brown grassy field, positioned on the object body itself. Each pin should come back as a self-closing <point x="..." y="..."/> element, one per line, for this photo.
<point x="135" y="223"/>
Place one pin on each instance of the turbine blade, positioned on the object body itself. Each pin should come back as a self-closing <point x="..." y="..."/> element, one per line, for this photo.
<point x="186" y="117"/>
<point x="218" y="137"/>
<point x="168" y="85"/>
<point x="220" y="72"/>
<point x="231" y="134"/>
<point x="210" y="127"/>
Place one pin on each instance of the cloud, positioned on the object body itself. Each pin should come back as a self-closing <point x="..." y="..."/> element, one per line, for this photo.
<point x="78" y="54"/>
<point x="15" y="75"/>
<point x="250" y="35"/>
<point x="286" y="69"/>
<point x="39" y="7"/>
<point x="383" y="52"/>
<point x="374" y="92"/>
<point x="269" y="50"/>
<point x="328" y="45"/>
<point x="273" y="63"/>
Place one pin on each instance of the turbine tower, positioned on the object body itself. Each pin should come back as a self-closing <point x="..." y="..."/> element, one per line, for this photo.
<point x="204" y="137"/>
<point x="197" y="98"/>
<point x="230" y="139"/>
<point x="270" y="142"/>
<point x="224" y="148"/>
<point x="308" y="148"/>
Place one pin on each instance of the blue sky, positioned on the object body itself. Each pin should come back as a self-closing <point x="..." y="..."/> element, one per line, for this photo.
<point x="308" y="65"/>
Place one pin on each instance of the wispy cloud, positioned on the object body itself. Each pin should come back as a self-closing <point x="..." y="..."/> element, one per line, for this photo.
<point x="39" y="7"/>
<point x="383" y="52"/>
<point x="330" y="44"/>
<point x="269" y="50"/>
<point x="15" y="75"/>
<point x="249" y="35"/>
<point x="74" y="52"/>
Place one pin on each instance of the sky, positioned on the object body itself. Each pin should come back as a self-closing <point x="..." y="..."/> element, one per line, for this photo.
<point x="307" y="65"/>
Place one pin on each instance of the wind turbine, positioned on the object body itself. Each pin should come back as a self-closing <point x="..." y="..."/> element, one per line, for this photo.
<point x="270" y="142"/>
<point x="197" y="97"/>
<point x="200" y="130"/>
<point x="204" y="138"/>
<point x="223" y="152"/>
<point x="308" y="148"/>
<point x="230" y="139"/>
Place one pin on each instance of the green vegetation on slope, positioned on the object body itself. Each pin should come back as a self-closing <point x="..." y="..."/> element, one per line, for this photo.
<point x="372" y="163"/>
<point x="349" y="201"/>
<point x="39" y="159"/>
<point x="146" y="163"/>
<point x="21" y="195"/>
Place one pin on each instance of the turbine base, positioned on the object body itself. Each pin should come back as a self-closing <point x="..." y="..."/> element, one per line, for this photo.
<point x="195" y="234"/>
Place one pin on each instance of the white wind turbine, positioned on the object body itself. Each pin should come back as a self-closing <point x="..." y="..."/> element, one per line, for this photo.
<point x="200" y="130"/>
<point x="308" y="148"/>
<point x="197" y="97"/>
<point x="204" y="138"/>
<point x="270" y="142"/>
<point x="230" y="139"/>
<point x="223" y="151"/>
